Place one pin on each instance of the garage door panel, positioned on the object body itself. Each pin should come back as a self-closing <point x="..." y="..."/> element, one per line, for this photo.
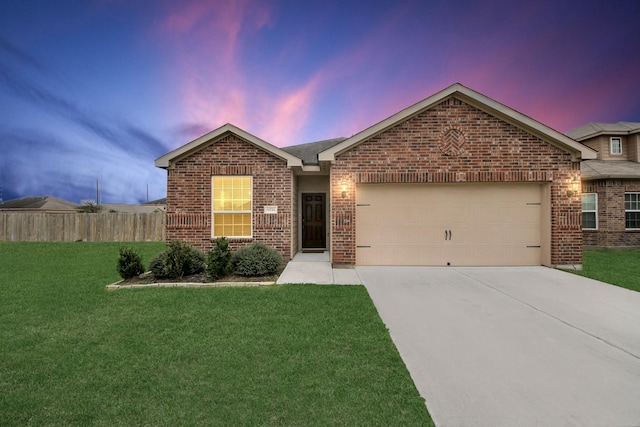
<point x="456" y="224"/>
<point x="402" y="236"/>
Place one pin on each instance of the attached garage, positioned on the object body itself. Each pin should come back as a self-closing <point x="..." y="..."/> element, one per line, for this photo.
<point x="477" y="224"/>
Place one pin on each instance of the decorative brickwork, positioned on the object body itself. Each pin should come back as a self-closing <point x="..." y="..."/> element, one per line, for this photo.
<point x="189" y="194"/>
<point x="485" y="149"/>
<point x="611" y="231"/>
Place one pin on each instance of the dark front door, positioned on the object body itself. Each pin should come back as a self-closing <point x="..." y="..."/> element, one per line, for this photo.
<point x="313" y="220"/>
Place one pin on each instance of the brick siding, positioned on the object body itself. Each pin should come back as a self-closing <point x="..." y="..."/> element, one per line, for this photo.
<point x="611" y="231"/>
<point x="492" y="151"/>
<point x="189" y="194"/>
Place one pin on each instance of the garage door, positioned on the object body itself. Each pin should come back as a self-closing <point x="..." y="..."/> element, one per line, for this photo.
<point x="451" y="224"/>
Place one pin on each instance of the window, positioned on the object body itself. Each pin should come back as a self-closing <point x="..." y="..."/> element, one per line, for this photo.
<point x="616" y="145"/>
<point x="632" y="210"/>
<point x="231" y="206"/>
<point x="589" y="211"/>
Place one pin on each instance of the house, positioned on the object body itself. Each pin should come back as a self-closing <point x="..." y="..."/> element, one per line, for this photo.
<point x="456" y="179"/>
<point x="129" y="208"/>
<point x="158" y="203"/>
<point x="611" y="184"/>
<point x="38" y="204"/>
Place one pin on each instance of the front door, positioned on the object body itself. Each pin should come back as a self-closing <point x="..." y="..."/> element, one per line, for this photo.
<point x="313" y="220"/>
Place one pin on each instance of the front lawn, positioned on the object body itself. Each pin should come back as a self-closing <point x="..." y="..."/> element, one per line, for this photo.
<point x="72" y="353"/>
<point x="616" y="266"/>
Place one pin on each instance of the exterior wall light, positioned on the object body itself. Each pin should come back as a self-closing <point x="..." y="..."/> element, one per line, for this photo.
<point x="343" y="185"/>
<point x="574" y="188"/>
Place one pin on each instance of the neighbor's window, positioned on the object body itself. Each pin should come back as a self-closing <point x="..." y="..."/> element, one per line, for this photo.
<point x="632" y="210"/>
<point x="589" y="211"/>
<point x="231" y="206"/>
<point x="616" y="145"/>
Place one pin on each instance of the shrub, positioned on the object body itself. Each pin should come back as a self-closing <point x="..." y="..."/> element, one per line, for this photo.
<point x="180" y="259"/>
<point x="129" y="263"/>
<point x="256" y="260"/>
<point x="219" y="260"/>
<point x="89" y="206"/>
<point x="157" y="265"/>
<point x="197" y="261"/>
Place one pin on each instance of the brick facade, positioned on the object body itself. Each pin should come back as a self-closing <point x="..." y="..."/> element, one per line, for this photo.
<point x="443" y="139"/>
<point x="487" y="150"/>
<point x="611" y="231"/>
<point x="189" y="198"/>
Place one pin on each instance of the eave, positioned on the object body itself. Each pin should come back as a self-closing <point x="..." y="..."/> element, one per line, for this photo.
<point x="578" y="151"/>
<point x="168" y="160"/>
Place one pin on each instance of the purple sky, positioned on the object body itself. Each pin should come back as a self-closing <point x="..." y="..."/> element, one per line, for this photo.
<point x="98" y="89"/>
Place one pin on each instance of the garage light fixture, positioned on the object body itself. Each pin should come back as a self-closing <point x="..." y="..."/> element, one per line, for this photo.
<point x="574" y="188"/>
<point x="343" y="185"/>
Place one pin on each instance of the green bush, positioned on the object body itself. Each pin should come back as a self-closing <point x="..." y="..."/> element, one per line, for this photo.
<point x="157" y="265"/>
<point x="129" y="263"/>
<point x="219" y="260"/>
<point x="180" y="259"/>
<point x="257" y="260"/>
<point x="198" y="263"/>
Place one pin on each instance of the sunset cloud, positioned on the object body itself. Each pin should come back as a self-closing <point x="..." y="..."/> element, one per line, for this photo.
<point x="290" y="115"/>
<point x="106" y="86"/>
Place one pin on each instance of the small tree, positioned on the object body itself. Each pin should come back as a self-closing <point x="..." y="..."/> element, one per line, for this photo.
<point x="219" y="259"/>
<point x="89" y="206"/>
<point x="129" y="263"/>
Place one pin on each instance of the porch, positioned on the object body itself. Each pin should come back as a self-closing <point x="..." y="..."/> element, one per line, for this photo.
<point x="315" y="267"/>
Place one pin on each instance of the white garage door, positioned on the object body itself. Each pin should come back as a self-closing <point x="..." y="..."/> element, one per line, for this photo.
<point x="450" y="224"/>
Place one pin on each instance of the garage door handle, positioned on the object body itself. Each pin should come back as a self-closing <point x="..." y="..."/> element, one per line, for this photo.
<point x="447" y="234"/>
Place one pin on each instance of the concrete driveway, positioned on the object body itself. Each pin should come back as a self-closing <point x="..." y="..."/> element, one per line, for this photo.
<point x="527" y="346"/>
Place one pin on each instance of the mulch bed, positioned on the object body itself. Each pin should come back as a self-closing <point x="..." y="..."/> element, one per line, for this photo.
<point x="194" y="280"/>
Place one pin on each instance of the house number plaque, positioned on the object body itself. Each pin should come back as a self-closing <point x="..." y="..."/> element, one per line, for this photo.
<point x="271" y="209"/>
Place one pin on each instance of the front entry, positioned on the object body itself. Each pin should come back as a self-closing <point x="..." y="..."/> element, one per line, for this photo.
<point x="313" y="220"/>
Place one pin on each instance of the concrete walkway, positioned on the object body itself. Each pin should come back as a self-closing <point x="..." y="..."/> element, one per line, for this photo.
<point x="316" y="268"/>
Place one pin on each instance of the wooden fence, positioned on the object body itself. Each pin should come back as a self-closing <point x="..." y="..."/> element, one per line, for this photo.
<point x="90" y="227"/>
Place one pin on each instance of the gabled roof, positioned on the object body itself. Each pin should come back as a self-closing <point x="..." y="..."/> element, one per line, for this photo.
<point x="617" y="169"/>
<point x="309" y="152"/>
<point x="578" y="151"/>
<point x="591" y="130"/>
<point x="39" y="203"/>
<point x="198" y="144"/>
<point x="162" y="201"/>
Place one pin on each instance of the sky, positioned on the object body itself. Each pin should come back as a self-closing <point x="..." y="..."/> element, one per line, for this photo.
<point x="93" y="91"/>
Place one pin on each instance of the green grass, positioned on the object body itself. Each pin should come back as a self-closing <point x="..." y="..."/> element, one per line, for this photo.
<point x="72" y="353"/>
<point x="616" y="266"/>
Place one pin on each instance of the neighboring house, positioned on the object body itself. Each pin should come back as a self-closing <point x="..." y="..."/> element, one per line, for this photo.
<point x="456" y="179"/>
<point x="38" y="204"/>
<point x="611" y="184"/>
<point x="128" y="208"/>
<point x="159" y="203"/>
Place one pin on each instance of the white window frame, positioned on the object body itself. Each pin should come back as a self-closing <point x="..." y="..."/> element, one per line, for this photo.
<point x="213" y="211"/>
<point x="637" y="202"/>
<point x="618" y="141"/>
<point x="595" y="210"/>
